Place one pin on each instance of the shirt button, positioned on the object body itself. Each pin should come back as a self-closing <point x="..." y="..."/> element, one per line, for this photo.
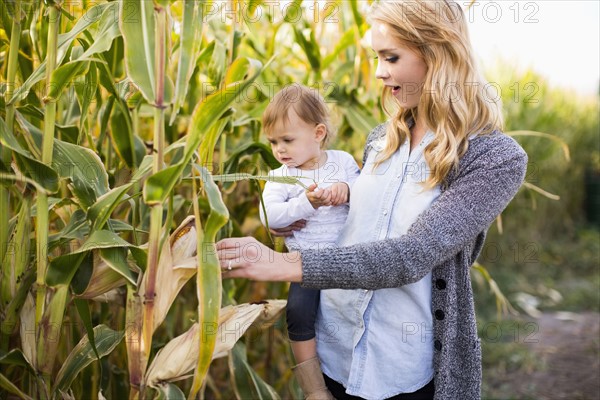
<point x="384" y="212"/>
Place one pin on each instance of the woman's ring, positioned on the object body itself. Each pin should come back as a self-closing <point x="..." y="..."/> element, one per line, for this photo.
<point x="229" y="266"/>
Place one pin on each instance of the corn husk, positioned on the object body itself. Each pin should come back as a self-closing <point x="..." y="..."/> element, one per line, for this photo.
<point x="178" y="358"/>
<point x="177" y="264"/>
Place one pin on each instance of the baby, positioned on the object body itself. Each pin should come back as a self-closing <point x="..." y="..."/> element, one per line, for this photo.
<point x="296" y="123"/>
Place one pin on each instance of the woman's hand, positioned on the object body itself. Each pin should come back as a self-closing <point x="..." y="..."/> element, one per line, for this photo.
<point x="248" y="258"/>
<point x="288" y="230"/>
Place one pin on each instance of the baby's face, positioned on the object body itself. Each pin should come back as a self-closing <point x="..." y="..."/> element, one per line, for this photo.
<point x="297" y="143"/>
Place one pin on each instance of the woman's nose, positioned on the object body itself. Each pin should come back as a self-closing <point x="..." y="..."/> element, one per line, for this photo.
<point x="381" y="72"/>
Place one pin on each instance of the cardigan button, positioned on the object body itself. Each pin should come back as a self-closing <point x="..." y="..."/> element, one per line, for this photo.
<point x="438" y="345"/>
<point x="439" y="315"/>
<point x="440" y="284"/>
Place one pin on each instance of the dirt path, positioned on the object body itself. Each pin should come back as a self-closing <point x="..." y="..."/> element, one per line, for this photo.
<point x="569" y="353"/>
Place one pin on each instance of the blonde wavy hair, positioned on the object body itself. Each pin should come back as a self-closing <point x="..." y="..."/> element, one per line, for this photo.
<point x="437" y="31"/>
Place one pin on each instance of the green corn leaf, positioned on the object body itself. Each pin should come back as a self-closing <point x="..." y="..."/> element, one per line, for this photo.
<point x="101" y="210"/>
<point x="13" y="310"/>
<point x="129" y="147"/>
<point x="358" y="18"/>
<point x="116" y="258"/>
<point x="50" y="329"/>
<point x="232" y="163"/>
<point x="207" y="147"/>
<point x="63" y="76"/>
<point x="43" y="175"/>
<point x="86" y="91"/>
<point x="63" y="268"/>
<point x="188" y="49"/>
<point x="10" y="387"/>
<point x="347" y="40"/>
<point x="83" y="167"/>
<point x="206" y="54"/>
<point x="359" y="119"/>
<point x="236" y="177"/>
<point x="293" y="11"/>
<point x="83" y="309"/>
<point x="64" y="41"/>
<point x="168" y="391"/>
<point x="208" y="277"/>
<point x="247" y="383"/>
<point x="9" y="179"/>
<point x="108" y="30"/>
<point x="99" y="213"/>
<point x="217" y="63"/>
<point x="137" y="23"/>
<point x="83" y="355"/>
<point x="17" y="358"/>
<point x="310" y="47"/>
<point x="159" y="185"/>
<point x="236" y="72"/>
<point x="17" y="254"/>
<point x="77" y="229"/>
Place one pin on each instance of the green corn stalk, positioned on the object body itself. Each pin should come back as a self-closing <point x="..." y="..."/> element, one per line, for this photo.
<point x="136" y="358"/>
<point x="47" y="146"/>
<point x="13" y="56"/>
<point x="156" y="213"/>
<point x="150" y="77"/>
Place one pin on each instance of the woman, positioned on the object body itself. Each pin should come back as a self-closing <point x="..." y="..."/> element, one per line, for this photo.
<point x="435" y="177"/>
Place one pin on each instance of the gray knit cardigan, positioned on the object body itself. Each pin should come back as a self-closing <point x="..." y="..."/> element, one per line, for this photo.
<point x="445" y="239"/>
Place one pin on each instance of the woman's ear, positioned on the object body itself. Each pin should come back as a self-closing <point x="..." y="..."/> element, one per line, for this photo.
<point x="320" y="132"/>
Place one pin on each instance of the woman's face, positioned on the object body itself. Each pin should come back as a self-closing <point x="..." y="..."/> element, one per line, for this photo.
<point x="399" y="68"/>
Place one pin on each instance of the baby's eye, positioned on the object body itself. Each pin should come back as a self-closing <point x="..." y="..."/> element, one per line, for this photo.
<point x="288" y="140"/>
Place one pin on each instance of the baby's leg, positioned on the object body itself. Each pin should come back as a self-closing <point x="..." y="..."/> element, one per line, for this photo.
<point x="301" y="313"/>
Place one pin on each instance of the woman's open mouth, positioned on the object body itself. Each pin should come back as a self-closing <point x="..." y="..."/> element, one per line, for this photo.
<point x="395" y="90"/>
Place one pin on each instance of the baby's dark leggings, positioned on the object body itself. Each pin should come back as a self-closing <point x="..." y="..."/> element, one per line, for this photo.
<point x="301" y="312"/>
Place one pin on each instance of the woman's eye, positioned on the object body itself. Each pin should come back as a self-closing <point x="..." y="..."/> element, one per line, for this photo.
<point x="288" y="140"/>
<point x="392" y="59"/>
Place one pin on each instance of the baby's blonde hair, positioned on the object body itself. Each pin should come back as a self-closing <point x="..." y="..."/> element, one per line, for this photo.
<point x="307" y="103"/>
<point x="455" y="100"/>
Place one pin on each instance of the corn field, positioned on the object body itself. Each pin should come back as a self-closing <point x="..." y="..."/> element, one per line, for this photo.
<point x="129" y="144"/>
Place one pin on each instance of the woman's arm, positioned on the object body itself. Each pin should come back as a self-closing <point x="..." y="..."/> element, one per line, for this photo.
<point x="490" y="174"/>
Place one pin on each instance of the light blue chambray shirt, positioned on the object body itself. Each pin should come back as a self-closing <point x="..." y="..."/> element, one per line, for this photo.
<point x="379" y="343"/>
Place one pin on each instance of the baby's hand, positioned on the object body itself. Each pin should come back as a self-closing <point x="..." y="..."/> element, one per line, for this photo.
<point x="318" y="198"/>
<point x="339" y="193"/>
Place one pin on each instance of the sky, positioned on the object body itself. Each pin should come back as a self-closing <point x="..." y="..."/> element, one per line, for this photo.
<point x="559" y="39"/>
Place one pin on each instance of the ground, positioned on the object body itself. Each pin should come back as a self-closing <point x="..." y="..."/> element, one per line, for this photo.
<point x="563" y="361"/>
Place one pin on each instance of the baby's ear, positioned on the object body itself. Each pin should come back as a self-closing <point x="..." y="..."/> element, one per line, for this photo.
<point x="320" y="132"/>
